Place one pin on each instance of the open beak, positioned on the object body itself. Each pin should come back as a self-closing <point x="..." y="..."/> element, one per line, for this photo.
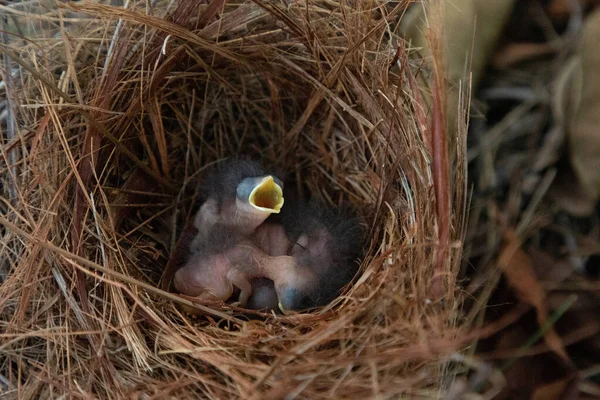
<point x="267" y="195"/>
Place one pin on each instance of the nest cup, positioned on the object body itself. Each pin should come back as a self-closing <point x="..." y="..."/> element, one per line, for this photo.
<point x="121" y="109"/>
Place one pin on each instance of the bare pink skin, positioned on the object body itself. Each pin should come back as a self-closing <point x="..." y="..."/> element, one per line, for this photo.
<point x="272" y="239"/>
<point x="214" y="277"/>
<point x="229" y="215"/>
<point x="265" y="253"/>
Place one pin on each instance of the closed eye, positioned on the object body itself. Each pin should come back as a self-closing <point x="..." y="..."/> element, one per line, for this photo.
<point x="299" y="245"/>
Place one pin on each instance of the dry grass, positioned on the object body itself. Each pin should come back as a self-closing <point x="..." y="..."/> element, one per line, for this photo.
<point x="119" y="109"/>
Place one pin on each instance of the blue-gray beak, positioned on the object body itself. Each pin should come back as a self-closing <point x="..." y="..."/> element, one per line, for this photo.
<point x="264" y="194"/>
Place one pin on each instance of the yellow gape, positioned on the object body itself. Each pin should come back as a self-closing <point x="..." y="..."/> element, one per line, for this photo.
<point x="267" y="196"/>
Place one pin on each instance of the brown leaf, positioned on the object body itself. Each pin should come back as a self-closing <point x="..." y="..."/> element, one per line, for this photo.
<point x="518" y="269"/>
<point x="471" y="27"/>
<point x="569" y="195"/>
<point x="518" y="52"/>
<point x="583" y="136"/>
<point x="565" y="8"/>
<point x="549" y="268"/>
<point x="527" y="372"/>
<point x="471" y="30"/>
<point x="562" y="389"/>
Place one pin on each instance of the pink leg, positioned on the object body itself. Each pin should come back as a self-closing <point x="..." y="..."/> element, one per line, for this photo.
<point x="239" y="279"/>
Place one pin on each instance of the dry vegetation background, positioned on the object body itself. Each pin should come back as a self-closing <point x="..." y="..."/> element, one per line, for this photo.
<point x="110" y="111"/>
<point x="533" y="164"/>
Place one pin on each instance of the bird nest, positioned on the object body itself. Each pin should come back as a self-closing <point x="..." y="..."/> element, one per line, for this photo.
<point x="113" y="113"/>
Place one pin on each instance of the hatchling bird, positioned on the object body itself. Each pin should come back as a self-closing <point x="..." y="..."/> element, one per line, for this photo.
<point x="226" y="250"/>
<point x="326" y="243"/>
<point x="298" y="261"/>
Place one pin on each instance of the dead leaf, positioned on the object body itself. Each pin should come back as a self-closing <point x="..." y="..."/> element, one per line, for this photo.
<point x="520" y="274"/>
<point x="549" y="268"/>
<point x="583" y="134"/>
<point x="562" y="389"/>
<point x="569" y="195"/>
<point x="471" y="30"/>
<point x="518" y="52"/>
<point x="527" y="373"/>
<point x="559" y="9"/>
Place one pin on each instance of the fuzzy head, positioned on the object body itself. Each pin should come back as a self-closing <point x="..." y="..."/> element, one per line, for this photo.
<point x="244" y="194"/>
<point x="327" y="243"/>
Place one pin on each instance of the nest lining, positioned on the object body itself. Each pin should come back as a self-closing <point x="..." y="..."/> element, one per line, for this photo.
<point x="121" y="110"/>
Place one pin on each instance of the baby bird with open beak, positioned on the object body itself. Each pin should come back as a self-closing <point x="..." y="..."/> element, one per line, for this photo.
<point x="240" y="196"/>
<point x="224" y="252"/>
<point x="297" y="261"/>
